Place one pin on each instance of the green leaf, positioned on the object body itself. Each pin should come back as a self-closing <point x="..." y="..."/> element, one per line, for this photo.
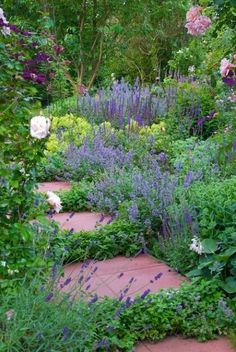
<point x="209" y="245"/>
<point x="229" y="285"/>
<point x="227" y="254"/>
<point x="194" y="273"/>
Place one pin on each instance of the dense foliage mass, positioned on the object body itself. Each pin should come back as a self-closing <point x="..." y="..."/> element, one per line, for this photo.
<point x="136" y="107"/>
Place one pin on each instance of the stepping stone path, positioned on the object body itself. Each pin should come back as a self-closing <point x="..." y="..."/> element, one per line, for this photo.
<point x="81" y="221"/>
<point x="53" y="186"/>
<point x="177" y="344"/>
<point x="112" y="277"/>
<point x="77" y="221"/>
<point x="123" y="276"/>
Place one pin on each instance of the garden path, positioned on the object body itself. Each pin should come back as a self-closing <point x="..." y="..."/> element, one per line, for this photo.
<point x="125" y="276"/>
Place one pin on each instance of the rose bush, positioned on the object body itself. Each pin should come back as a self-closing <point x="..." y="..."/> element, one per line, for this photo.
<point x="22" y="141"/>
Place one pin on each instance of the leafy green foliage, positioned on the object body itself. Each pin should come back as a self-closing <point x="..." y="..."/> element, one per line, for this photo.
<point x="215" y="204"/>
<point x="120" y="237"/>
<point x="19" y="152"/>
<point x="52" y="321"/>
<point x="76" y="199"/>
<point x="193" y="311"/>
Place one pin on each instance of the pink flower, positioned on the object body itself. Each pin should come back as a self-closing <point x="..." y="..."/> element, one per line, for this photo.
<point x="193" y="13"/>
<point x="198" y="26"/>
<point x="225" y="67"/>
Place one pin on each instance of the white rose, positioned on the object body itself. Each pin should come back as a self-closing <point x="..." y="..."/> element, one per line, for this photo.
<point x="10" y="314"/>
<point x="39" y="127"/>
<point x="196" y="246"/>
<point x="5" y="30"/>
<point x="54" y="201"/>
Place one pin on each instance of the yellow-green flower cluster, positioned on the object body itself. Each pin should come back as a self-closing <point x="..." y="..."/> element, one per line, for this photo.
<point x="67" y="129"/>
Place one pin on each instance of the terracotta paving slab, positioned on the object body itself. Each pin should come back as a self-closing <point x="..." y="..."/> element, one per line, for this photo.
<point x="53" y="186"/>
<point x="177" y="344"/>
<point x="111" y="277"/>
<point x="80" y="221"/>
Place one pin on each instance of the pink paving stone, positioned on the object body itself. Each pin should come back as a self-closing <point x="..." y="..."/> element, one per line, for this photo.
<point x="113" y="275"/>
<point x="84" y="281"/>
<point x="83" y="221"/>
<point x="53" y="186"/>
<point x="178" y="344"/>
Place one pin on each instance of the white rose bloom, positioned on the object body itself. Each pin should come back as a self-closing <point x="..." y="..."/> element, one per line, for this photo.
<point x="196" y="246"/>
<point x="39" y="127"/>
<point x="3" y="263"/>
<point x="10" y="314"/>
<point x="5" y="30"/>
<point x="54" y="201"/>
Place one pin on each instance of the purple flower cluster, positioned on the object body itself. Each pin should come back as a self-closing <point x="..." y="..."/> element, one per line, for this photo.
<point x="122" y="103"/>
<point x="95" y="156"/>
<point x="146" y="192"/>
<point x="230" y="79"/>
<point x="208" y="117"/>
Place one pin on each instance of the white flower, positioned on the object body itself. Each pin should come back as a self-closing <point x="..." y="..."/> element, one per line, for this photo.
<point x="10" y="314"/>
<point x="11" y="272"/>
<point x="39" y="127"/>
<point x="196" y="246"/>
<point x="191" y="69"/>
<point x="5" y="30"/>
<point x="54" y="201"/>
<point x="3" y="263"/>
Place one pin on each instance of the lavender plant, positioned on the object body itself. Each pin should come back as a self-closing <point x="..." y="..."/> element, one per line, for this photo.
<point x="142" y="195"/>
<point x="95" y="157"/>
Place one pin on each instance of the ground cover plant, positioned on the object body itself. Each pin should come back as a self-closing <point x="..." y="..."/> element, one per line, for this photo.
<point x="157" y="153"/>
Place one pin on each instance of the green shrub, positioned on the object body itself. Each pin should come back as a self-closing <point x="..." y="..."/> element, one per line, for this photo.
<point x="76" y="199"/>
<point x="38" y="317"/>
<point x="52" y="167"/>
<point x="195" y="310"/>
<point x="118" y="238"/>
<point x="199" y="157"/>
<point x="215" y="205"/>
<point x="194" y="101"/>
<point x="67" y="129"/>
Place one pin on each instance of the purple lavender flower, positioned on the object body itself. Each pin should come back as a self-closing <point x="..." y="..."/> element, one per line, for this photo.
<point x="145" y="293"/>
<point x="120" y="275"/>
<point x="93" y="299"/>
<point x="189" y="179"/>
<point x="54" y="271"/>
<point x="133" y="212"/>
<point x="102" y="343"/>
<point x="65" y="333"/>
<point x="48" y="297"/>
<point x="67" y="282"/>
<point x="81" y="278"/>
<point x="158" y="276"/>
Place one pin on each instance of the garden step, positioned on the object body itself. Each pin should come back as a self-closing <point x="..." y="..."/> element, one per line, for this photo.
<point x="178" y="344"/>
<point x="113" y="276"/>
<point x="53" y="186"/>
<point x="82" y="221"/>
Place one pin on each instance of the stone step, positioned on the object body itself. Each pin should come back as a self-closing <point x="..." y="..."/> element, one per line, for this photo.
<point x="178" y="344"/>
<point x="53" y="186"/>
<point x="112" y="277"/>
<point x="82" y="221"/>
